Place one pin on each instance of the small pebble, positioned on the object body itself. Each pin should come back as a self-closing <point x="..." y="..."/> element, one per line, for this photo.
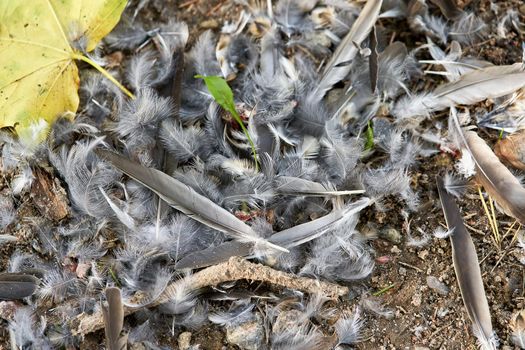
<point x="402" y="271"/>
<point x="416" y="299"/>
<point x="391" y="235"/>
<point x="423" y="254"/>
<point x="184" y="340"/>
<point x="395" y="250"/>
<point x="209" y="24"/>
<point x="248" y="335"/>
<point x="435" y="284"/>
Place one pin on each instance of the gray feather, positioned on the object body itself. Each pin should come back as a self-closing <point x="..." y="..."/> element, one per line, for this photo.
<point x="17" y="285"/>
<point x="301" y="187"/>
<point x="114" y="320"/>
<point x="303" y="233"/>
<point x="184" y="198"/>
<point x="467" y="269"/>
<point x="347" y="50"/>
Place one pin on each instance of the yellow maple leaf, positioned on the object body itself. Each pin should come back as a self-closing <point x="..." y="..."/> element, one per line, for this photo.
<point x="39" y="41"/>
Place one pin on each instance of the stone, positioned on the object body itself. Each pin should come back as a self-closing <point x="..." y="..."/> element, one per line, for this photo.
<point x="391" y="235"/>
<point x="209" y="24"/>
<point x="184" y="340"/>
<point x="395" y="250"/>
<point x="423" y="254"/>
<point x="416" y="299"/>
<point x="436" y="285"/>
<point x="247" y="335"/>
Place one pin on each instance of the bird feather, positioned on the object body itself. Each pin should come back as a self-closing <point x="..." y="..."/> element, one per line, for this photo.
<point x="17" y="285"/>
<point x="114" y="320"/>
<point x="184" y="198"/>
<point x="347" y="49"/>
<point x="467" y="269"/>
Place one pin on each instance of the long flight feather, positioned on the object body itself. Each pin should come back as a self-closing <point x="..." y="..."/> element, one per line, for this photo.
<point x="467" y="270"/>
<point x="114" y="320"/>
<point x="335" y="71"/>
<point x="185" y="199"/>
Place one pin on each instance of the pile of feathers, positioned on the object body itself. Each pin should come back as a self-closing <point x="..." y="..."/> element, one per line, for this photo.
<point x="168" y="183"/>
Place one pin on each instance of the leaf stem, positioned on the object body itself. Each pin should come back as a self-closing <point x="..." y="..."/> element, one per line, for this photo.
<point x="103" y="71"/>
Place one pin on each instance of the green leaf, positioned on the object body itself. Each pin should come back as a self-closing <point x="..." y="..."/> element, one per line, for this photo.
<point x="369" y="136"/>
<point x="223" y="95"/>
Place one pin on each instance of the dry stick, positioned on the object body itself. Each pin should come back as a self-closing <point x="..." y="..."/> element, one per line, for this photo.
<point x="234" y="269"/>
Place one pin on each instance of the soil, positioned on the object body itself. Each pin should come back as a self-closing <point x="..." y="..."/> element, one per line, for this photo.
<point x="423" y="317"/>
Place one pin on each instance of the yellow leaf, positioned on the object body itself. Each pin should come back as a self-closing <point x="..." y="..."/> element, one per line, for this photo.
<point x="38" y="40"/>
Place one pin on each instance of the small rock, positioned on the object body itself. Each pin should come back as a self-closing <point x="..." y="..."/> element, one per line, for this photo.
<point x="423" y="254"/>
<point x="435" y="284"/>
<point x="442" y="312"/>
<point x="391" y="235"/>
<point x="184" y="340"/>
<point x="512" y="149"/>
<point x="402" y="271"/>
<point x="395" y="250"/>
<point x="421" y="348"/>
<point x="416" y="299"/>
<point x="248" y="335"/>
<point x="209" y="24"/>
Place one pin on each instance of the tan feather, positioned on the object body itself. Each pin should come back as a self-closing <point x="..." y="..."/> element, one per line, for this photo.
<point x="467" y="270"/>
<point x="497" y="180"/>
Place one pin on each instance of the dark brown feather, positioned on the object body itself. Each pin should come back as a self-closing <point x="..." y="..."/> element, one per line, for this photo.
<point x="17" y="285"/>
<point x="372" y="60"/>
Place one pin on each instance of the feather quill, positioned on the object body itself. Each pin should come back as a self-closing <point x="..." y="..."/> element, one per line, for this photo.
<point x="347" y="49"/>
<point x="17" y="285"/>
<point x="185" y="199"/>
<point x="467" y="270"/>
<point x="114" y="320"/>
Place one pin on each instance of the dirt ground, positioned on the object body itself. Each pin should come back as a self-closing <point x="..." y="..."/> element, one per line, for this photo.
<point x="421" y="317"/>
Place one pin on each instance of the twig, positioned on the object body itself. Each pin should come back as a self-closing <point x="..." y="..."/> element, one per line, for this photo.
<point x="410" y="266"/>
<point x="234" y="269"/>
